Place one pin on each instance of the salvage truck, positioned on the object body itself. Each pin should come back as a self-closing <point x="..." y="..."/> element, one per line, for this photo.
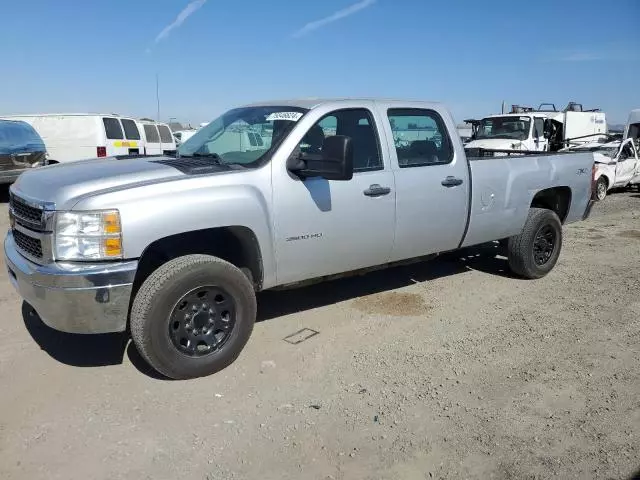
<point x="617" y="165"/>
<point x="174" y="249"/>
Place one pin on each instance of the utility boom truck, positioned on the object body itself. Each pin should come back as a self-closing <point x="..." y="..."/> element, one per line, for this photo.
<point x="539" y="130"/>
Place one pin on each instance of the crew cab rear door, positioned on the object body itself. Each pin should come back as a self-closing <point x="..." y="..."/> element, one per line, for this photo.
<point x="431" y="178"/>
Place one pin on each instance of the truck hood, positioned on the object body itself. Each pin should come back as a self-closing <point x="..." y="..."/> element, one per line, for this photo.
<point x="496" y="144"/>
<point x="64" y="184"/>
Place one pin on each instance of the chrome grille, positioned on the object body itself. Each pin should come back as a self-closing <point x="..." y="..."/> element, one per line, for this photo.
<point x="23" y="211"/>
<point x="31" y="246"/>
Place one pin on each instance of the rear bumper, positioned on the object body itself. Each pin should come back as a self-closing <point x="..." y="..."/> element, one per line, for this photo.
<point x="74" y="297"/>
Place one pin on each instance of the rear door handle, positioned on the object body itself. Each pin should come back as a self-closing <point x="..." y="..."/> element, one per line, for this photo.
<point x="376" y="190"/>
<point x="451" y="182"/>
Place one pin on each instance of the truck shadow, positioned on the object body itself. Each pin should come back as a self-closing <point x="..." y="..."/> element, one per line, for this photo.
<point x="273" y="304"/>
<point x="73" y="349"/>
<point x="109" y="349"/>
<point x="4" y="193"/>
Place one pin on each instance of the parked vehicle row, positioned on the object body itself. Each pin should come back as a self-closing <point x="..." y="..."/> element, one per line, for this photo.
<point x="174" y="249"/>
<point x="80" y="136"/>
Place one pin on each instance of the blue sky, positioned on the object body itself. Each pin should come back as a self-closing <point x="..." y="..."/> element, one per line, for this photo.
<point x="103" y="56"/>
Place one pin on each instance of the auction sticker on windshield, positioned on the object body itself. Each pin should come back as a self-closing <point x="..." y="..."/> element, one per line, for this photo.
<point x="292" y="116"/>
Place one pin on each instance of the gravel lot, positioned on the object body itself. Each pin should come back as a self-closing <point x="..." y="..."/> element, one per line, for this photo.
<point x="448" y="369"/>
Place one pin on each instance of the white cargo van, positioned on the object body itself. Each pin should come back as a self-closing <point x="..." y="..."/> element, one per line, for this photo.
<point x="78" y="136"/>
<point x="157" y="137"/>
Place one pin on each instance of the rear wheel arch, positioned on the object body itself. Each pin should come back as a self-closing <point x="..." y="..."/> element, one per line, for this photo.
<point x="556" y="199"/>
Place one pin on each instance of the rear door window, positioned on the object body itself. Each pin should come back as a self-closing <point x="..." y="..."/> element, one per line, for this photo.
<point x="151" y="132"/>
<point x="420" y="137"/>
<point x="112" y="128"/>
<point x="130" y="129"/>
<point x="165" y="134"/>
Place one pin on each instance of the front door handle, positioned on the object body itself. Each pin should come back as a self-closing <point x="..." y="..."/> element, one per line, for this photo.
<point x="451" y="182"/>
<point x="376" y="190"/>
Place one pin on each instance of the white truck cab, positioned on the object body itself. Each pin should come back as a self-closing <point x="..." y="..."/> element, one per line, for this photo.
<point x="539" y="130"/>
<point x="632" y="130"/>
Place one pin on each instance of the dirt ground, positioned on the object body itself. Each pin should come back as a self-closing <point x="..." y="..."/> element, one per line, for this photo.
<point x="448" y="369"/>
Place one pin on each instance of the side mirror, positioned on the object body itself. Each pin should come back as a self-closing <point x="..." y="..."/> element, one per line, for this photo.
<point x="335" y="161"/>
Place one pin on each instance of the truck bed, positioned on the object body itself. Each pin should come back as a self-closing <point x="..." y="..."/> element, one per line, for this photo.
<point x="504" y="187"/>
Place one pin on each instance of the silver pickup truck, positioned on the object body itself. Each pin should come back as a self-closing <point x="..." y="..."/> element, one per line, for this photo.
<point x="173" y="249"/>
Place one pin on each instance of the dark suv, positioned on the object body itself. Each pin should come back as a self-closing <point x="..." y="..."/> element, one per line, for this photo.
<point x="20" y="149"/>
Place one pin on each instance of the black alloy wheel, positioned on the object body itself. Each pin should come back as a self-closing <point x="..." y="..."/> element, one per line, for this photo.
<point x="202" y="321"/>
<point x="544" y="245"/>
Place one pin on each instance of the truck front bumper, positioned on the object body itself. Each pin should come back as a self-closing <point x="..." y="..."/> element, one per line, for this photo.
<point x="74" y="297"/>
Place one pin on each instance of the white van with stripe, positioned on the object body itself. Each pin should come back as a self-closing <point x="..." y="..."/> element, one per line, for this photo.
<point x="77" y="136"/>
<point x="158" y="139"/>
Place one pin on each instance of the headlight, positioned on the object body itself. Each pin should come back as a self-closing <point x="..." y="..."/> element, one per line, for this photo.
<point x="93" y="235"/>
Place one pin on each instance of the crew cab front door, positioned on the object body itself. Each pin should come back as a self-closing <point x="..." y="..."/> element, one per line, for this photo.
<point x="432" y="181"/>
<point x="325" y="227"/>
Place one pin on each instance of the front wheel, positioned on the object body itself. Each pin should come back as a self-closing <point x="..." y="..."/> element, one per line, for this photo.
<point x="193" y="316"/>
<point x="534" y="252"/>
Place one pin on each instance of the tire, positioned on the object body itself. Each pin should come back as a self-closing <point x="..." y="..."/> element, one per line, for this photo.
<point x="601" y="189"/>
<point x="160" y="328"/>
<point x="527" y="250"/>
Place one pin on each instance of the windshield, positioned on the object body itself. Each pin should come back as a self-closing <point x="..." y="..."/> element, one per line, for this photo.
<point x="516" y="128"/>
<point x="243" y="135"/>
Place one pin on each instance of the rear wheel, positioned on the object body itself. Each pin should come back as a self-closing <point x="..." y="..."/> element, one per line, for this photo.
<point x="193" y="316"/>
<point x="601" y="188"/>
<point x="534" y="252"/>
